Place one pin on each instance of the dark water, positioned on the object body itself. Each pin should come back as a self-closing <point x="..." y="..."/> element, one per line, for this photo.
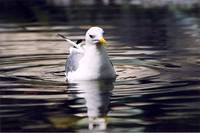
<point x="156" y="53"/>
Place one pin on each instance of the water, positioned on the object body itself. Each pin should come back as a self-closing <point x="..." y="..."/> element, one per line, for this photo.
<point x="155" y="53"/>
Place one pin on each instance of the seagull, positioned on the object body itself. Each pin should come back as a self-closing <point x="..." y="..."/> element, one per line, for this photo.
<point x="89" y="60"/>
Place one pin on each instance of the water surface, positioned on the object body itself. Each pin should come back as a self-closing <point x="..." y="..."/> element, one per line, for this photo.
<point x="156" y="53"/>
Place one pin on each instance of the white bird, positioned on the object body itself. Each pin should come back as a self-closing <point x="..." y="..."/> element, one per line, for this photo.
<point x="89" y="60"/>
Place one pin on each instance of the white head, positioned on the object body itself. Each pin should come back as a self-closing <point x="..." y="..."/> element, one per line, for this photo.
<point x="95" y="36"/>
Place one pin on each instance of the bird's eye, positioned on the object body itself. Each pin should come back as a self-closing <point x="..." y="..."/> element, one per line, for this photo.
<point x="91" y="36"/>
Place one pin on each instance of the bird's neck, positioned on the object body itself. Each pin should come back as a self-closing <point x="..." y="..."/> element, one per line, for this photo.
<point x="93" y="47"/>
<point x="95" y="51"/>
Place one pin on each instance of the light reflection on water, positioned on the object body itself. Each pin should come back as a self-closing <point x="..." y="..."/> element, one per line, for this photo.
<point x="156" y="58"/>
<point x="96" y="95"/>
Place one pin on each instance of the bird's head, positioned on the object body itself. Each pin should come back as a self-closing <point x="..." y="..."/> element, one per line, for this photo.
<point x="94" y="36"/>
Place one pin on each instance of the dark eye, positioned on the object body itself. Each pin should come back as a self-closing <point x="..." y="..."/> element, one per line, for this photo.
<point x="91" y="36"/>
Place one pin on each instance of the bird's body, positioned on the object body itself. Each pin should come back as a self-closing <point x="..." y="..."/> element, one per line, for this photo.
<point x="91" y="61"/>
<point x="93" y="64"/>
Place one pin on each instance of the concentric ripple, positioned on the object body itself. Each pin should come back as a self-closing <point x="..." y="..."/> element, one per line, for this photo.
<point x="157" y="88"/>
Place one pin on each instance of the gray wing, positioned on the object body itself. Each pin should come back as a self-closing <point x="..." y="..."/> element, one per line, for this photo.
<point x="72" y="63"/>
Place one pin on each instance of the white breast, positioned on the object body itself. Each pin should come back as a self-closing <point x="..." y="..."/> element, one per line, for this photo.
<point x="94" y="65"/>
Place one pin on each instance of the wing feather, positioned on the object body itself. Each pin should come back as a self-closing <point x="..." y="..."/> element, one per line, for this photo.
<point x="72" y="63"/>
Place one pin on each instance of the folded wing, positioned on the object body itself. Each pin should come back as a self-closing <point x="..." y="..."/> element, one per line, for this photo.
<point x="73" y="60"/>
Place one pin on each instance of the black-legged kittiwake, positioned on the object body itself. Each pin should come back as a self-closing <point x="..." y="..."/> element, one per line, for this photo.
<point x="88" y="60"/>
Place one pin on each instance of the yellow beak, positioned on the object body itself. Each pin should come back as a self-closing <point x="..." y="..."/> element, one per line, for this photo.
<point x="102" y="41"/>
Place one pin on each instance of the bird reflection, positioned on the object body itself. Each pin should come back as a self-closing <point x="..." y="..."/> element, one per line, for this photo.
<point x="97" y="99"/>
